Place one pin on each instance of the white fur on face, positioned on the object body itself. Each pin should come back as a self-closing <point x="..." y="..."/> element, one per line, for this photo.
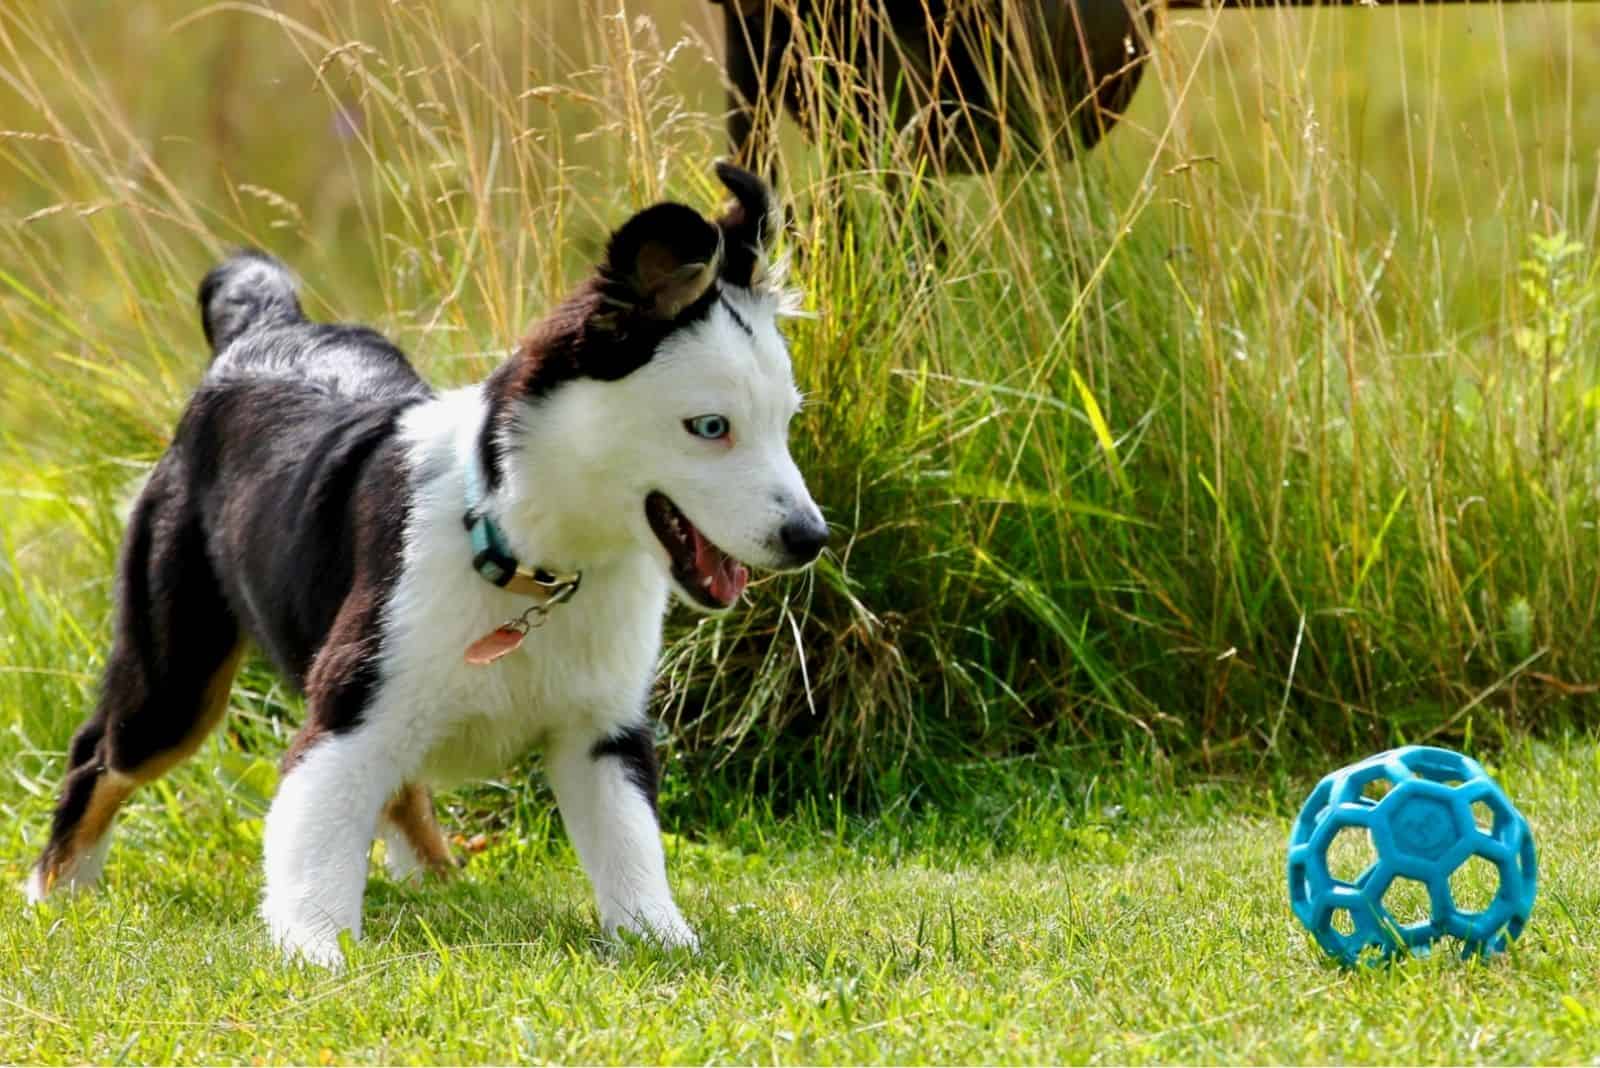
<point x="627" y="438"/>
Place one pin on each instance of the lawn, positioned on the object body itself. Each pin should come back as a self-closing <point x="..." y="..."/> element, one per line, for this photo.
<point x="1061" y="920"/>
<point x="1261" y="439"/>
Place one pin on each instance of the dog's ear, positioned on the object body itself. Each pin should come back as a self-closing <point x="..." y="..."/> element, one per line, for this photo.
<point x="748" y="226"/>
<point x="663" y="260"/>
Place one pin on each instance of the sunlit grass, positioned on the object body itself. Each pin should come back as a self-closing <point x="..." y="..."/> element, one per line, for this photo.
<point x="1059" y="919"/>
<point x="1270" y="424"/>
<point x="1258" y="439"/>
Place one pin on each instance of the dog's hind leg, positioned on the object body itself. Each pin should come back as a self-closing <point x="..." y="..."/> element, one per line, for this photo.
<point x="413" y="842"/>
<point x="165" y="684"/>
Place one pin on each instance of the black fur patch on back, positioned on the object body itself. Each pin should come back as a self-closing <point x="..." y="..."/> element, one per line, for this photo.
<point x="297" y="489"/>
<point x="636" y="748"/>
<point x="290" y="454"/>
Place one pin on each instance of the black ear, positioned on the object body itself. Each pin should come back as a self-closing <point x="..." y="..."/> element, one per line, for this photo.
<point x="663" y="260"/>
<point x="748" y="227"/>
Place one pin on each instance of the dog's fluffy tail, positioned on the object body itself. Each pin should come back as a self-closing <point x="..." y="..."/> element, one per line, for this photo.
<point x="245" y="292"/>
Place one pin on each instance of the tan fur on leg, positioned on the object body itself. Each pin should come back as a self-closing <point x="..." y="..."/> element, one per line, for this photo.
<point x="411" y="812"/>
<point x="213" y="703"/>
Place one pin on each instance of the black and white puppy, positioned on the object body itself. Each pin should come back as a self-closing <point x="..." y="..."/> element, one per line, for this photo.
<point x="451" y="578"/>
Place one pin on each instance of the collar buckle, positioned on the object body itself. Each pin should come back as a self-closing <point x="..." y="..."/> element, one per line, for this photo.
<point x="548" y="588"/>
<point x="493" y="560"/>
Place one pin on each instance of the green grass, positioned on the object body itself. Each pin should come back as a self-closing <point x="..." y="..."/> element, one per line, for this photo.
<point x="1260" y="439"/>
<point x="1109" y="920"/>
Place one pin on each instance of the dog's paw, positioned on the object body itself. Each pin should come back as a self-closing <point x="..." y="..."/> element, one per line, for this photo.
<point x="665" y="928"/>
<point x="406" y="868"/>
<point x="313" y="947"/>
<point x="75" y="876"/>
<point x="297" y="939"/>
<point x="402" y="863"/>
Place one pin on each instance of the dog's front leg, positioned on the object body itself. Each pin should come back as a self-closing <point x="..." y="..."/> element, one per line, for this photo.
<point x="605" y="786"/>
<point x="318" y="834"/>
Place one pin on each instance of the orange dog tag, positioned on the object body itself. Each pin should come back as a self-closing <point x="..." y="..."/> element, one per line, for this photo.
<point x="497" y="643"/>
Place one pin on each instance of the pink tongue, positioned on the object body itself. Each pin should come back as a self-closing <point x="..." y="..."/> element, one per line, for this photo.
<point x="728" y="576"/>
<point x="727" y="582"/>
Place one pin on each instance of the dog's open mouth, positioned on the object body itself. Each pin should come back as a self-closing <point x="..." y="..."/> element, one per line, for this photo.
<point x="708" y="574"/>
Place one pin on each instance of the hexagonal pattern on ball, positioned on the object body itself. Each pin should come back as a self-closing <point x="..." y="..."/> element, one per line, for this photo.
<point x="1432" y="817"/>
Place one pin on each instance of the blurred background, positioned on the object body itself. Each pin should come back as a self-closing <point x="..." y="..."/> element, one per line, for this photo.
<point x="1263" y="433"/>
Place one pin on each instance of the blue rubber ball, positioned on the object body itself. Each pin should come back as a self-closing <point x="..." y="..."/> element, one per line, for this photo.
<point x="1405" y="848"/>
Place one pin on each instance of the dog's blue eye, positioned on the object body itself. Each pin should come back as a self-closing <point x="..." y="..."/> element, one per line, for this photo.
<point x="710" y="427"/>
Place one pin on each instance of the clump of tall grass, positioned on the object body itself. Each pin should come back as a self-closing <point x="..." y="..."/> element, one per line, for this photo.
<point x="1268" y="428"/>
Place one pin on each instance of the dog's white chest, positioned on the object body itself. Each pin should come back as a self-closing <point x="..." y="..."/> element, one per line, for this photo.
<point x="588" y="666"/>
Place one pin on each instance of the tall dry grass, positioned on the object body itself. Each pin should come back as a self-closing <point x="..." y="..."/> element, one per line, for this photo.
<point x="1267" y="429"/>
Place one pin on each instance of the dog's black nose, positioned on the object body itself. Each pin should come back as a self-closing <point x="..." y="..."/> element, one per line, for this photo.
<point x="803" y="536"/>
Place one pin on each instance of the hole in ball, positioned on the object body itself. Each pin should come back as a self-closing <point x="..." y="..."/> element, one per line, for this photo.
<point x="1407" y="902"/>
<point x="1474" y="884"/>
<point x="1343" y="922"/>
<point x="1377" y="790"/>
<point x="1351" y="853"/>
<point x="1483" y="816"/>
